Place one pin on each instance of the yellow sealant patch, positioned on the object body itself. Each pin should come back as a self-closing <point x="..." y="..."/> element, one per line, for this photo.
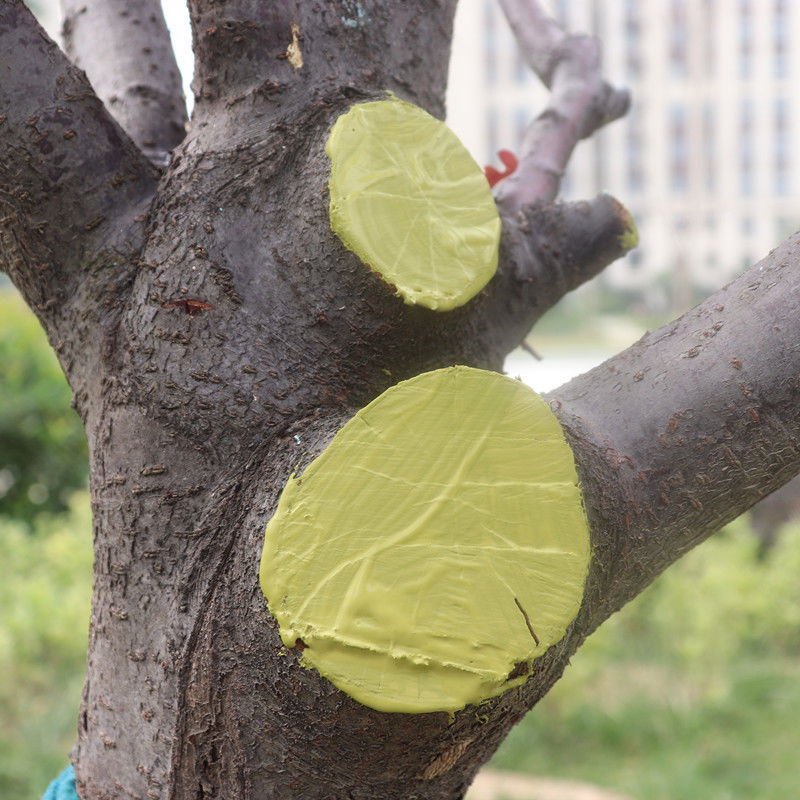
<point x="409" y="200"/>
<point x="439" y="532"/>
<point x="293" y="52"/>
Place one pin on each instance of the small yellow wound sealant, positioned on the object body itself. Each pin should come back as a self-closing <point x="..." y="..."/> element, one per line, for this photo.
<point x="409" y="200"/>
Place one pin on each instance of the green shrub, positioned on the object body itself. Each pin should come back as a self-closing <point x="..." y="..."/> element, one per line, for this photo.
<point x="45" y="593"/>
<point x="43" y="455"/>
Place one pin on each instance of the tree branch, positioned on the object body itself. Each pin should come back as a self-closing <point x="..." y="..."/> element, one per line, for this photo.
<point x="125" y="48"/>
<point x="580" y="103"/>
<point x="546" y="251"/>
<point x="71" y="181"/>
<point x="283" y="53"/>
<point x="684" y="431"/>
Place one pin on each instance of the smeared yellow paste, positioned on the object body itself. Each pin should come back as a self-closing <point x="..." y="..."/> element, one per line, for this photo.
<point x="438" y="533"/>
<point x="409" y="200"/>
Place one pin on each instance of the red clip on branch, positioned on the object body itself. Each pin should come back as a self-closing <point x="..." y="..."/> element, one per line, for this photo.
<point x="509" y="160"/>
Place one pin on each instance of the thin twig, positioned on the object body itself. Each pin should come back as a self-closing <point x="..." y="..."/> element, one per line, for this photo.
<point x="528" y="349"/>
<point x="580" y="102"/>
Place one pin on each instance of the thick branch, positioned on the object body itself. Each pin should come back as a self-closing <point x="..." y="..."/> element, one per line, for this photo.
<point x="125" y="48"/>
<point x="546" y="251"/>
<point x="580" y="103"/>
<point x="70" y="180"/>
<point x="688" y="428"/>
<point x="291" y="52"/>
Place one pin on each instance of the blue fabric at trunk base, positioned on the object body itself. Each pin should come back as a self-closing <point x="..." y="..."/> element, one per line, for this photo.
<point x="63" y="787"/>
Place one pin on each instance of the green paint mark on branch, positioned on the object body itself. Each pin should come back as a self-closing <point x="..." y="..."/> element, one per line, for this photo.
<point x="409" y="200"/>
<point x="436" y="547"/>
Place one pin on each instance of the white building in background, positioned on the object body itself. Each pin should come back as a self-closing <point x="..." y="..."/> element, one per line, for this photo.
<point x="708" y="159"/>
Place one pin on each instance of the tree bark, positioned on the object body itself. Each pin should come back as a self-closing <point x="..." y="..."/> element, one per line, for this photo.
<point x="143" y="88"/>
<point x="217" y="334"/>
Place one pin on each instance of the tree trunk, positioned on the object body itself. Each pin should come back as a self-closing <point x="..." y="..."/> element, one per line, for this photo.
<point x="216" y="334"/>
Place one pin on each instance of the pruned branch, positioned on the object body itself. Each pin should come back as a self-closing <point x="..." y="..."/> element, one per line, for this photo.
<point x="580" y="102"/>
<point x="71" y="182"/>
<point x="546" y="251"/>
<point x="550" y="251"/>
<point x="125" y="49"/>
<point x="688" y="428"/>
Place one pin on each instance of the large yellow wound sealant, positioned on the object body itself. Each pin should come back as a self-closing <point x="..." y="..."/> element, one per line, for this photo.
<point x="438" y="543"/>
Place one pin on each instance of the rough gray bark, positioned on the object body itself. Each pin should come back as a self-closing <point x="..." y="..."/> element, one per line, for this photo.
<point x="125" y="49"/>
<point x="691" y="426"/>
<point x="216" y="334"/>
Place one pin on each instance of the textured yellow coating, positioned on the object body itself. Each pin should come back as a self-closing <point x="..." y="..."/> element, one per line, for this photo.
<point x="409" y="200"/>
<point x="420" y="553"/>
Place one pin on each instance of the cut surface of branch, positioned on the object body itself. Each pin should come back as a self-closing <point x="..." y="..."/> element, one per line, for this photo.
<point x="580" y="103"/>
<point x="408" y="199"/>
<point x="125" y="49"/>
<point x="470" y="468"/>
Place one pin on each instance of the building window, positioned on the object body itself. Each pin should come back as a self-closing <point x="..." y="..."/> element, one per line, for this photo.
<point x="746" y="149"/>
<point x="490" y="40"/>
<point x="678" y="32"/>
<point x="633" y="34"/>
<point x="634" y="154"/>
<point x="780" y="46"/>
<point x="522" y="72"/>
<point x="709" y="145"/>
<point x="746" y="33"/>
<point x="492" y="134"/>
<point x="562" y="13"/>
<point x="782" y="151"/>
<point x="679" y="160"/>
<point x="709" y="40"/>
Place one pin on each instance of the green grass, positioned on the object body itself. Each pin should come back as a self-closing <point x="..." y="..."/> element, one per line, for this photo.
<point x="43" y="453"/>
<point x="45" y="587"/>
<point x="742" y="745"/>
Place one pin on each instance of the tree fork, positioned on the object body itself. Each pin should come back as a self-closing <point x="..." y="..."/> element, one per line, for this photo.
<point x="74" y="191"/>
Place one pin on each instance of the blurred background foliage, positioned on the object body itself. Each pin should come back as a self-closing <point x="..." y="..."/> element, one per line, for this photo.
<point x="691" y="692"/>
<point x="43" y="456"/>
<point x="45" y="591"/>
